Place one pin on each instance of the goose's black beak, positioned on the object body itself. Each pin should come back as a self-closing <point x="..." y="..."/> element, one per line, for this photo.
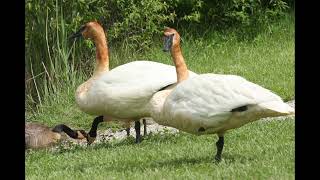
<point x="168" y="43"/>
<point x="90" y="140"/>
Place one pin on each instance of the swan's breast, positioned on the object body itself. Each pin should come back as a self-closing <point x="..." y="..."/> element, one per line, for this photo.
<point x="82" y="94"/>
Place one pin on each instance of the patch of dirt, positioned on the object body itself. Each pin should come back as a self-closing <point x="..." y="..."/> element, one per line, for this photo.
<point x="109" y="135"/>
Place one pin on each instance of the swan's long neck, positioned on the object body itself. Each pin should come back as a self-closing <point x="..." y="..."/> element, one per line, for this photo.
<point x="181" y="67"/>
<point x="160" y="97"/>
<point x="102" y="56"/>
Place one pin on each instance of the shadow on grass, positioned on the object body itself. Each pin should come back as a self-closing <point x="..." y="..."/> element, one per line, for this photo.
<point x="236" y="158"/>
<point x="175" y="163"/>
<point x="226" y="159"/>
<point x="136" y="166"/>
<point x="158" y="162"/>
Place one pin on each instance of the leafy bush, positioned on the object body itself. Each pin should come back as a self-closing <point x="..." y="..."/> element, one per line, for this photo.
<point x="137" y="21"/>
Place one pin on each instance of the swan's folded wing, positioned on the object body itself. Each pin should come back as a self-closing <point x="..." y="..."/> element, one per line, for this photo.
<point x="214" y="96"/>
<point x="138" y="79"/>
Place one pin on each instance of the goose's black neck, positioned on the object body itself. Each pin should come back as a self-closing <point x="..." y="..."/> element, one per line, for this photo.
<point x="94" y="126"/>
<point x="63" y="128"/>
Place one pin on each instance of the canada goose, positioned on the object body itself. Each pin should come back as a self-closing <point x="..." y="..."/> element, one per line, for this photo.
<point x="41" y="136"/>
<point x="211" y="103"/>
<point x="122" y="93"/>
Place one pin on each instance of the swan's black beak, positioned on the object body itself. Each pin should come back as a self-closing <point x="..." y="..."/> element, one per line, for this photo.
<point x="167" y="43"/>
<point x="77" y="34"/>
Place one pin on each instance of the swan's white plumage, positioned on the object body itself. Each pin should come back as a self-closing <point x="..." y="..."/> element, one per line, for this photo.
<point x="208" y="99"/>
<point x="124" y="92"/>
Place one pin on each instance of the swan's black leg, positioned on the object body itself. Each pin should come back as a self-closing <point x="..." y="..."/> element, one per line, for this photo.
<point x="219" y="145"/>
<point x="137" y="128"/>
<point x="144" y="127"/>
<point x="128" y="131"/>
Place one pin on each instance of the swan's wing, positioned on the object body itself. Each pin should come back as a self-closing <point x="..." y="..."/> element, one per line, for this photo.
<point x="214" y="93"/>
<point x="125" y="91"/>
<point x="210" y="99"/>
<point x="139" y="78"/>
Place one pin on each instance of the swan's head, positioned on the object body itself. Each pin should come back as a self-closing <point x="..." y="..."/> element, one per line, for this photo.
<point x="171" y="39"/>
<point x="90" y="30"/>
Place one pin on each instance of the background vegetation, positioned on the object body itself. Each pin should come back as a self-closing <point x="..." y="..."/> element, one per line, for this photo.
<point x="134" y="27"/>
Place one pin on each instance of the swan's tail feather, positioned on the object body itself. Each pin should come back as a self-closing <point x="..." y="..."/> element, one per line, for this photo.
<point x="278" y="108"/>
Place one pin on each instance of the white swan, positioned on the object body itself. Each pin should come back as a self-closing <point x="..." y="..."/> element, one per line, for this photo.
<point x="124" y="92"/>
<point x="212" y="103"/>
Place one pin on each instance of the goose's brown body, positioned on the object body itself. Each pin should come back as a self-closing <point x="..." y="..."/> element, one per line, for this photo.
<point x="41" y="136"/>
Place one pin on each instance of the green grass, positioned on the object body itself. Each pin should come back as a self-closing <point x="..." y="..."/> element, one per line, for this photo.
<point x="261" y="150"/>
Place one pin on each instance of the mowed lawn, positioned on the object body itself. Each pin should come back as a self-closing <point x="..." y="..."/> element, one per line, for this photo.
<point x="260" y="150"/>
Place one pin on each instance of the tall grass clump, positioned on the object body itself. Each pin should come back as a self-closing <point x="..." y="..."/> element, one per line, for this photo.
<point x="50" y="58"/>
